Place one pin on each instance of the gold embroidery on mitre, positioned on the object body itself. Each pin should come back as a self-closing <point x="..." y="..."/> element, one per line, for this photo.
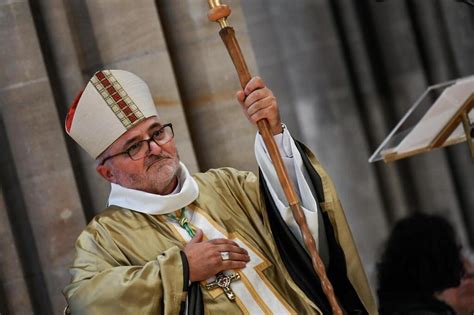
<point x="116" y="98"/>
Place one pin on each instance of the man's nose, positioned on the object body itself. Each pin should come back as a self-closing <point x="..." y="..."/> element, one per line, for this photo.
<point x="154" y="148"/>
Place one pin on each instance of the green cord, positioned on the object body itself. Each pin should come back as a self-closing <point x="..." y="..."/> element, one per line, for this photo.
<point x="182" y="221"/>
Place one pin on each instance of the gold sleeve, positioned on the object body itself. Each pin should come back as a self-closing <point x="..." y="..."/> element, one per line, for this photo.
<point x="103" y="284"/>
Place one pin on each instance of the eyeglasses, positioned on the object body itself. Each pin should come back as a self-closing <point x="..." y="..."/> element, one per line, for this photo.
<point x="141" y="149"/>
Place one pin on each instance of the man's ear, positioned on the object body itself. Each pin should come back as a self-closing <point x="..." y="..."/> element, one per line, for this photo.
<point x="105" y="172"/>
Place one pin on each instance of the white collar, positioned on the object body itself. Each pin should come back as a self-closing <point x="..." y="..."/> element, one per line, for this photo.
<point x="145" y="202"/>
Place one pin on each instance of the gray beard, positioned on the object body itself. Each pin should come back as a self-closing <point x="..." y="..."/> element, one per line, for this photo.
<point x="143" y="182"/>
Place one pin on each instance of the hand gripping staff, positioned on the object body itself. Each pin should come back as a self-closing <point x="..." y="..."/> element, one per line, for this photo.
<point x="218" y="13"/>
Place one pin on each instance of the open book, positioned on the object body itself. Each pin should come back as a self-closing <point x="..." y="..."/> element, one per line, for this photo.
<point x="424" y="124"/>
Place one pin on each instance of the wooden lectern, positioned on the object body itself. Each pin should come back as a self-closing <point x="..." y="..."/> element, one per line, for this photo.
<point x="442" y="116"/>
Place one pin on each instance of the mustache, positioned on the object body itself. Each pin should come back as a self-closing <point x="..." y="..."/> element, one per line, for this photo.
<point x="152" y="159"/>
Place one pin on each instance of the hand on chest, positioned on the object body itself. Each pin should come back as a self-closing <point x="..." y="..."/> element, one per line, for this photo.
<point x="252" y="288"/>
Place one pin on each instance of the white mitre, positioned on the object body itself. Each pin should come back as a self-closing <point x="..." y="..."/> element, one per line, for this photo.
<point x="112" y="102"/>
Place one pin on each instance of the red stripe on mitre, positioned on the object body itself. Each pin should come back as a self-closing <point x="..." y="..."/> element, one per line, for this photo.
<point x="72" y="111"/>
<point x="100" y="75"/>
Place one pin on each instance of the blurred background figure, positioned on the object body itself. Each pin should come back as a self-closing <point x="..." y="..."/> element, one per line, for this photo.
<point x="461" y="298"/>
<point x="422" y="259"/>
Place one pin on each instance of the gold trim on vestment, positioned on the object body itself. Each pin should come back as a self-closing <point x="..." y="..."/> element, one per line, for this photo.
<point x="259" y="268"/>
<point x="241" y="306"/>
<point x="254" y="294"/>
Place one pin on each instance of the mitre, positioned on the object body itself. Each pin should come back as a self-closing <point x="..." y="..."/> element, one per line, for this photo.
<point x="112" y="102"/>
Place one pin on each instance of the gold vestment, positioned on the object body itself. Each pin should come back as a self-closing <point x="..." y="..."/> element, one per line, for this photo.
<point x="129" y="262"/>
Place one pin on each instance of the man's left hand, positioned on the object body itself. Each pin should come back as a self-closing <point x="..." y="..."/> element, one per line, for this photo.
<point x="258" y="102"/>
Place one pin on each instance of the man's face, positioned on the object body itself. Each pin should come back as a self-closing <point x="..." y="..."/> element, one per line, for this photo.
<point x="156" y="173"/>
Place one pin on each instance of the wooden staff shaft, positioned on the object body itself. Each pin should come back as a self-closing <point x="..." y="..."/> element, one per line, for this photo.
<point x="228" y="36"/>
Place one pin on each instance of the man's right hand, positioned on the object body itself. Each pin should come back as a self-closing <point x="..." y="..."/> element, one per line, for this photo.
<point x="205" y="260"/>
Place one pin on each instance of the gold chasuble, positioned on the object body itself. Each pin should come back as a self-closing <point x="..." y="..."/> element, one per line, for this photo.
<point x="130" y="262"/>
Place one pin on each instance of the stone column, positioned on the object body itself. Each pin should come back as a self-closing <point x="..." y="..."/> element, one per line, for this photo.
<point x="38" y="150"/>
<point x="60" y="52"/>
<point x="13" y="284"/>
<point x="207" y="82"/>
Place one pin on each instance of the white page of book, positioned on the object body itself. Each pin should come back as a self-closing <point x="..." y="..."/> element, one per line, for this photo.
<point x="439" y="114"/>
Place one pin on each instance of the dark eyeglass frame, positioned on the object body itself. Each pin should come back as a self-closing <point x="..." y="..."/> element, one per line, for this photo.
<point x="144" y="140"/>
